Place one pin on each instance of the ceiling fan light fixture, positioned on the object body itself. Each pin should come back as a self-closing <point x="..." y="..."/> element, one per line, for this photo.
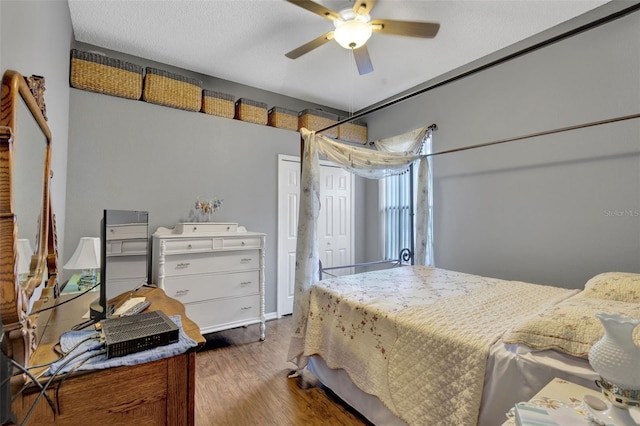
<point x="352" y="33"/>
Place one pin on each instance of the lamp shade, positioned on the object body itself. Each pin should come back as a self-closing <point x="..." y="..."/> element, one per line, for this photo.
<point x="352" y="33"/>
<point x="24" y="255"/>
<point x="86" y="256"/>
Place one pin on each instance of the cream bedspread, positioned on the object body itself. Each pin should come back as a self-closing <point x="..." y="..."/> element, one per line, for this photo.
<point x="418" y="337"/>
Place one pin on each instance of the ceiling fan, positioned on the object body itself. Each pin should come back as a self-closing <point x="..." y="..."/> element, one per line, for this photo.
<point x="354" y="26"/>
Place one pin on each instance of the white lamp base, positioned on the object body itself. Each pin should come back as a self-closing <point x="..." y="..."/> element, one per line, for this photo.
<point x="87" y="280"/>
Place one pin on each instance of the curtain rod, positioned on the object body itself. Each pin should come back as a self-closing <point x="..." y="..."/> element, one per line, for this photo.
<point x="559" y="37"/>
<point x="533" y="135"/>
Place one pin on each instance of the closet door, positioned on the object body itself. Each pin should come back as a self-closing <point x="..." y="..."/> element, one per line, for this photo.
<point x="334" y="220"/>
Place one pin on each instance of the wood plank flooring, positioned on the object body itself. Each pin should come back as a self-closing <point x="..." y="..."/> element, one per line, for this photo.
<point x="242" y="381"/>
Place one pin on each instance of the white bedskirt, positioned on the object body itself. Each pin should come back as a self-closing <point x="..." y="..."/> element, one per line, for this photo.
<point x="514" y="373"/>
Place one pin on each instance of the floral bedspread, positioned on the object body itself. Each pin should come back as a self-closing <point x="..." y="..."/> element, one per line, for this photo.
<point x="418" y="337"/>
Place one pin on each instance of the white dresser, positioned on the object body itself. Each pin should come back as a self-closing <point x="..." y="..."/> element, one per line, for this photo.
<point x="216" y="270"/>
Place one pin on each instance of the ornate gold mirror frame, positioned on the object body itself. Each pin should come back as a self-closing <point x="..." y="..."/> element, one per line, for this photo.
<point x="17" y="288"/>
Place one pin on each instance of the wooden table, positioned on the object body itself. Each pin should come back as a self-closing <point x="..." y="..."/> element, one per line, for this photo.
<point x="159" y="392"/>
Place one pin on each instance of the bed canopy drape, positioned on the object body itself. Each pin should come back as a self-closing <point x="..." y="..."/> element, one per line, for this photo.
<point x="394" y="155"/>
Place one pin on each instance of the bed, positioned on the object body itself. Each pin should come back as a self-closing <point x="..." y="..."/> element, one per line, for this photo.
<point x="421" y="345"/>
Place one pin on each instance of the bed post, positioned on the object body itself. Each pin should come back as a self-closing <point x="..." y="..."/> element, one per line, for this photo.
<point x="411" y="215"/>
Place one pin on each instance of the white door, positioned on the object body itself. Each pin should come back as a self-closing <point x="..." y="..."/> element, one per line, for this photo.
<point x="335" y="222"/>
<point x="288" y="190"/>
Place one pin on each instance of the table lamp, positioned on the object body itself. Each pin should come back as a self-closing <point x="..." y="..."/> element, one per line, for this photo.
<point x="87" y="258"/>
<point x="24" y="258"/>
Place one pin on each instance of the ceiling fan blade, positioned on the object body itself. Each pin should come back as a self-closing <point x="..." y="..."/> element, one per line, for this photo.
<point x="406" y="28"/>
<point x="307" y="47"/>
<point x="363" y="7"/>
<point x="363" y="61"/>
<point x="316" y="8"/>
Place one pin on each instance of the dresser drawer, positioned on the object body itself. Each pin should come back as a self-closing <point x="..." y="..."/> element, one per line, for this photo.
<point x="192" y="288"/>
<point x="122" y="267"/>
<point x="249" y="242"/>
<point x="204" y="263"/>
<point x="213" y="313"/>
<point x="186" y="246"/>
<point x="203" y="228"/>
<point x="127" y="247"/>
<point x="126" y="231"/>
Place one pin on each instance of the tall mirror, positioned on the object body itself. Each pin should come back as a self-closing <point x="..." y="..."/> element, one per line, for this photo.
<point x="28" y="152"/>
<point x="124" y="238"/>
<point x="126" y="242"/>
<point x="25" y="227"/>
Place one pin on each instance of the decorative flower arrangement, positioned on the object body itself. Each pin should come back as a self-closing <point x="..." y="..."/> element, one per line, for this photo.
<point x="205" y="207"/>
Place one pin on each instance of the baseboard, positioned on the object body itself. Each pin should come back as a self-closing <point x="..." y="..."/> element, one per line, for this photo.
<point x="271" y="316"/>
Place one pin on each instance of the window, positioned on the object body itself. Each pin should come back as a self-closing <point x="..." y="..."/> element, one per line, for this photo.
<point x="397" y="196"/>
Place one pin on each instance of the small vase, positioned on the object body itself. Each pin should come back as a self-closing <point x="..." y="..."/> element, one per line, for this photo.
<point x="615" y="357"/>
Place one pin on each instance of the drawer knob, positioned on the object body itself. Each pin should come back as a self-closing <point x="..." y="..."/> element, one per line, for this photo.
<point x="246" y="308"/>
<point x="242" y="243"/>
<point x="245" y="283"/>
<point x="189" y="247"/>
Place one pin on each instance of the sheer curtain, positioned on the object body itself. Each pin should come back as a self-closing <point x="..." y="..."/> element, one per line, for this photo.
<point x="364" y="162"/>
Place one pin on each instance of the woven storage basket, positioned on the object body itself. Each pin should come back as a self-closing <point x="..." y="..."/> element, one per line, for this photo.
<point x="283" y="118"/>
<point x="251" y="111"/>
<point x="164" y="88"/>
<point x="354" y="131"/>
<point x="102" y="74"/>
<point x="314" y="119"/>
<point x="216" y="103"/>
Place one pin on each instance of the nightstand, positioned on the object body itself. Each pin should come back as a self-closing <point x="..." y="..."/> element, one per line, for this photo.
<point x="564" y="398"/>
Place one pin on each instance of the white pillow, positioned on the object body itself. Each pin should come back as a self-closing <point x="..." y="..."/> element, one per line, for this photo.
<point x="571" y="326"/>
<point x="622" y="286"/>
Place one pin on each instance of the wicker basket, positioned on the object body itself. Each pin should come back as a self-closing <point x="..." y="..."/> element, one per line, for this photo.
<point x="283" y="118"/>
<point x="216" y="103"/>
<point x="164" y="88"/>
<point x="354" y="131"/>
<point x="314" y="119"/>
<point x="102" y="74"/>
<point x="251" y="111"/>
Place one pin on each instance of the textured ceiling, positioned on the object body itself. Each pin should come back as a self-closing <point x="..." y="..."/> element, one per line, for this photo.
<point x="245" y="40"/>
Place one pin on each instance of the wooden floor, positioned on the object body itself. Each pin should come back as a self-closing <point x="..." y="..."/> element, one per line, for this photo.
<point x="242" y="381"/>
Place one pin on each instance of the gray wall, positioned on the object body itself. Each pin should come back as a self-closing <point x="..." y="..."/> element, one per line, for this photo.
<point x="133" y="155"/>
<point x="35" y="39"/>
<point x="554" y="209"/>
